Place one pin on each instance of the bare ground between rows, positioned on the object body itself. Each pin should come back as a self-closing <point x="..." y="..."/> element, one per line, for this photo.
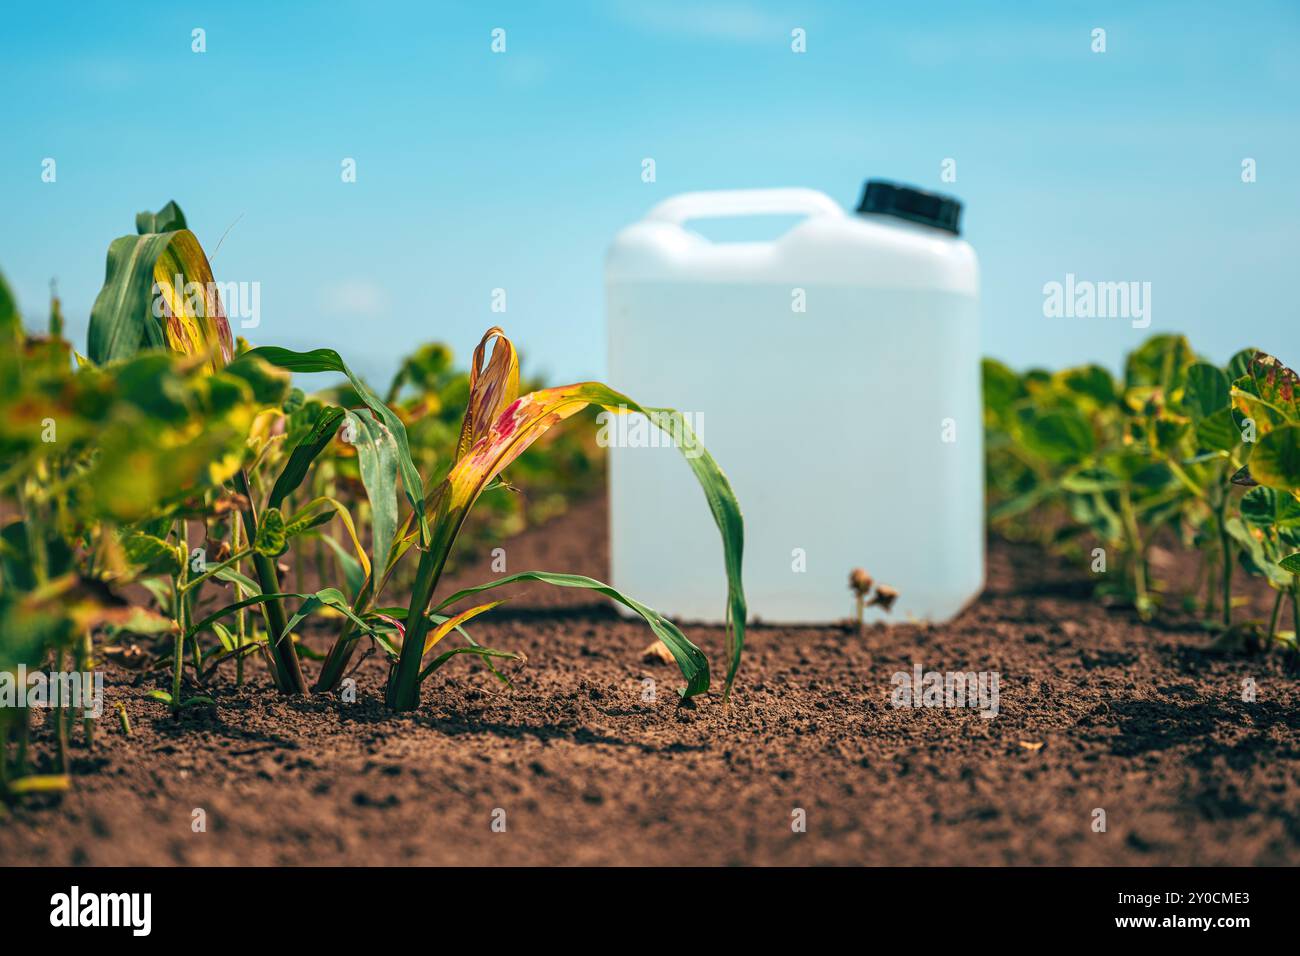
<point x="1096" y="711"/>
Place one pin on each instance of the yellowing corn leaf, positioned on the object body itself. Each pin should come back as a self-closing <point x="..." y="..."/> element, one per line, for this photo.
<point x="491" y="389"/>
<point x="159" y="293"/>
<point x="530" y="416"/>
<point x="447" y="626"/>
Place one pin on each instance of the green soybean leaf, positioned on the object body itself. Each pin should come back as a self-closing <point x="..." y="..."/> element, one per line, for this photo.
<point x="1060" y="436"/>
<point x="1268" y="507"/>
<point x="1239" y="364"/>
<point x="153" y="554"/>
<point x="1206" y="391"/>
<point x="1276" y="459"/>
<point x="1160" y="362"/>
<point x="1218" y="431"/>
<point x="1091" y="380"/>
<point x="271" y="538"/>
<point x="1291" y="563"/>
<point x="1002" y="387"/>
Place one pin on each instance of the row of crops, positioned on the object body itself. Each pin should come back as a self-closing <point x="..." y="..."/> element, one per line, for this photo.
<point x="1179" y="452"/>
<point x="173" y="502"/>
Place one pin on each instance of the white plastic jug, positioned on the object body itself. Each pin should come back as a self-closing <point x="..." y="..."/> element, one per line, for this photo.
<point x="834" y="374"/>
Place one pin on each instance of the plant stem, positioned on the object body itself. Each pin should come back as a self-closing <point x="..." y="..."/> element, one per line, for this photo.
<point x="1136" y="550"/>
<point x="1272" y="621"/>
<point x="1295" y="614"/>
<point x="60" y="717"/>
<point x="340" y="652"/>
<point x="215" y="569"/>
<point x="1225" y="545"/>
<point x="236" y="530"/>
<point x="86" y="664"/>
<point x="24" y="740"/>
<point x="403" y="691"/>
<point x="178" y="614"/>
<point x="286" y="670"/>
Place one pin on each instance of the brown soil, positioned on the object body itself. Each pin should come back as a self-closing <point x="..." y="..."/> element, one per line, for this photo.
<point x="1096" y="711"/>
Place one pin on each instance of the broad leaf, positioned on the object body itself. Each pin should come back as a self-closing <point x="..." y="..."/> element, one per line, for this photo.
<point x="1276" y="459"/>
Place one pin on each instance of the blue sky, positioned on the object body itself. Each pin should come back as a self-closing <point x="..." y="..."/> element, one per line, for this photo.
<point x="477" y="171"/>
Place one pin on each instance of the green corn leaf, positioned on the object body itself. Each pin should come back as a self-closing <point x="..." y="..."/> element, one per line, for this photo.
<point x="378" y="455"/>
<point x="167" y="219"/>
<point x="690" y="659"/>
<point x="232" y="576"/>
<point x="224" y="635"/>
<point x="484" y="652"/>
<point x="312" y="444"/>
<point x="302" y="525"/>
<point x="354" y="574"/>
<point x="325" y="597"/>
<point x="531" y="415"/>
<point x="327" y="360"/>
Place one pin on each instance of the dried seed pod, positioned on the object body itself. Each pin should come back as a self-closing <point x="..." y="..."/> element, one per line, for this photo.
<point x="217" y="551"/>
<point x="884" y="597"/>
<point x="860" y="581"/>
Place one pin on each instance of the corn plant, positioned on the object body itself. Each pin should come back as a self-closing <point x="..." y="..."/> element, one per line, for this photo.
<point x="499" y="424"/>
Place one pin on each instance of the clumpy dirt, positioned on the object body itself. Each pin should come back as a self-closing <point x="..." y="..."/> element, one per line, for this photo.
<point x="1096" y="711"/>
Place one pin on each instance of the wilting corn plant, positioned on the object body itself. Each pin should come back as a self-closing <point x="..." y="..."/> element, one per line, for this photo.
<point x="499" y="424"/>
<point x="159" y="293"/>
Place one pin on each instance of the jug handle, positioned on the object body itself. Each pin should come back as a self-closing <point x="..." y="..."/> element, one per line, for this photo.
<point x="744" y="202"/>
